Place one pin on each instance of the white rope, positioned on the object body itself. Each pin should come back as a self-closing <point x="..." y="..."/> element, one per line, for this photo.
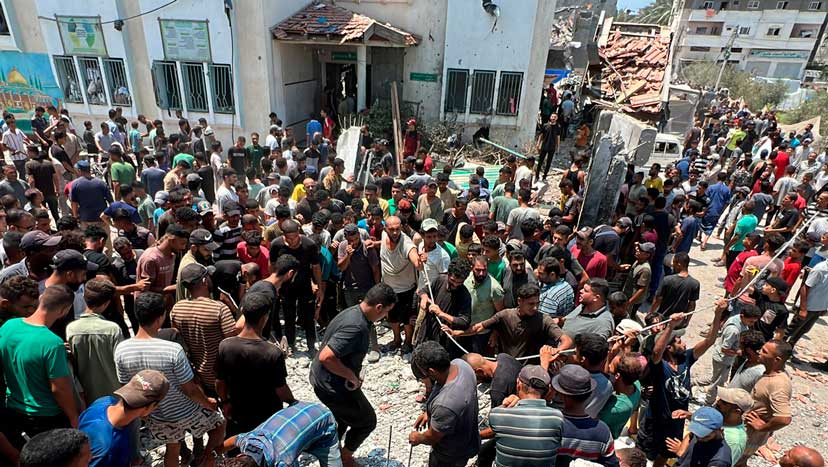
<point x="744" y="290"/>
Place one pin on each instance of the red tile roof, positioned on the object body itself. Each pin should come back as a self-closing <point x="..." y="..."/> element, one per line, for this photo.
<point x="633" y="70"/>
<point x="330" y="21"/>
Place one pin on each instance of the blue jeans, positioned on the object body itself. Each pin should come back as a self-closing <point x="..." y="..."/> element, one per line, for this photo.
<point x="326" y="450"/>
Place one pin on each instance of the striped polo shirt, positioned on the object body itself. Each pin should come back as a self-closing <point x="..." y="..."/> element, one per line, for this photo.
<point x="228" y="237"/>
<point x="528" y="434"/>
<point x="203" y="323"/>
<point x="557" y="299"/>
<point x="588" y="439"/>
<point x="134" y="355"/>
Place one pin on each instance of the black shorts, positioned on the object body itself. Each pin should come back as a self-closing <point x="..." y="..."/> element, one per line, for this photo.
<point x="653" y="432"/>
<point x="403" y="311"/>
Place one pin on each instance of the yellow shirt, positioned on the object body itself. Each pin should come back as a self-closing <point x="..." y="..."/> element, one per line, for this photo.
<point x="298" y="193"/>
<point x="656" y="183"/>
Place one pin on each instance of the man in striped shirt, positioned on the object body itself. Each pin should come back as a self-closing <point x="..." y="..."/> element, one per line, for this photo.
<point x="16" y="141"/>
<point x="302" y="427"/>
<point x="229" y="232"/>
<point x="185" y="408"/>
<point x="583" y="437"/>
<point x="202" y="323"/>
<point x="529" y="433"/>
<point x="557" y="299"/>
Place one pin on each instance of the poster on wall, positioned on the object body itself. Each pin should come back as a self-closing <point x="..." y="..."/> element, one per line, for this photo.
<point x="186" y="40"/>
<point x="26" y="81"/>
<point x="82" y="35"/>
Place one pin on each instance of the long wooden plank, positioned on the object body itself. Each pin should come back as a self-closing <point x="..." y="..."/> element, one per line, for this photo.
<point x="395" y="120"/>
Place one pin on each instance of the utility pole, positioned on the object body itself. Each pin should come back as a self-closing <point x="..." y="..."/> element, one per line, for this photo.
<point x="726" y="55"/>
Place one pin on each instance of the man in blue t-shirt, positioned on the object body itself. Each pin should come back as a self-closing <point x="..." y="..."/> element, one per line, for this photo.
<point x="106" y="422"/>
<point x="89" y="196"/>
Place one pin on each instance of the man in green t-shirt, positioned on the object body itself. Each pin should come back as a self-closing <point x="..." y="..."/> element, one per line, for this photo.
<point x="503" y="204"/>
<point x="39" y="395"/>
<point x="122" y="173"/>
<point x="745" y="225"/>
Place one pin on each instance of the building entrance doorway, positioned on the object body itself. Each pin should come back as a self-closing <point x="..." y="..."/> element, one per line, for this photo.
<point x="340" y="91"/>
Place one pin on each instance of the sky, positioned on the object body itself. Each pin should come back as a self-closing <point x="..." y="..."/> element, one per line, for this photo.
<point x="633" y="5"/>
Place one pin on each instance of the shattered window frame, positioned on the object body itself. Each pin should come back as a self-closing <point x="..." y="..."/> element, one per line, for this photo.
<point x="814" y="6"/>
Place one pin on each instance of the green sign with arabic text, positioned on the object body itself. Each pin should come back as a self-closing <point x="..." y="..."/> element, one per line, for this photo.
<point x="81" y="35"/>
<point x="424" y="77"/>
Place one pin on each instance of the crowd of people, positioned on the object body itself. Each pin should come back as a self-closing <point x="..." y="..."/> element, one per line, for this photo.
<point x="153" y="281"/>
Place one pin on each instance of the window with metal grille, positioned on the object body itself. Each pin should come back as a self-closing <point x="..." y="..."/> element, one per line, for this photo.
<point x="221" y="85"/>
<point x="165" y="83"/>
<point x="195" y="87"/>
<point x="4" y="25"/>
<point x="753" y="5"/>
<point x="92" y="80"/>
<point x="508" y="94"/>
<point x="482" y="95"/>
<point x="815" y="5"/>
<point x="457" y="83"/>
<point x="117" y="80"/>
<point x="744" y="30"/>
<point x="781" y="5"/>
<point x="68" y="79"/>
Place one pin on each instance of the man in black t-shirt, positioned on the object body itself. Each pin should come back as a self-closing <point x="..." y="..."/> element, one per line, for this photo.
<point x="298" y="300"/>
<point x="336" y="371"/>
<point x="548" y="142"/>
<point x="42" y="175"/>
<point x="237" y="157"/>
<point x="251" y="376"/>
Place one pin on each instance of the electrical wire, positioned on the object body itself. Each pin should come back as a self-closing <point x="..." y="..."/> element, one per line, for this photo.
<point x="115" y="20"/>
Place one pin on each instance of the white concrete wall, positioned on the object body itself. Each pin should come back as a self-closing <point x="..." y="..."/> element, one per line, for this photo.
<point x="427" y="19"/>
<point x="518" y="43"/>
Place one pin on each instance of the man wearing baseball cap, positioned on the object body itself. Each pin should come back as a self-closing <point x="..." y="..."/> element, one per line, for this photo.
<point x="70" y="269"/>
<point x="581" y="436"/>
<point x="530" y="432"/>
<point x="734" y="403"/>
<point x="705" y="444"/>
<point x="106" y="421"/>
<point x="39" y="247"/>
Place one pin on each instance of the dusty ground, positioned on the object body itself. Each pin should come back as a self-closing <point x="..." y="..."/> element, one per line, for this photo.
<point x="391" y="388"/>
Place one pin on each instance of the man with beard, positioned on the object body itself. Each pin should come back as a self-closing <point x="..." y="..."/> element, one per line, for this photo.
<point x="201" y="251"/>
<point x="70" y="268"/>
<point x="399" y="260"/>
<point x="522" y="331"/>
<point x="515" y="276"/>
<point x="298" y="301"/>
<point x="451" y="304"/>
<point x="486" y="300"/>
<point x="669" y="368"/>
<point x="360" y="268"/>
<point x="39" y="248"/>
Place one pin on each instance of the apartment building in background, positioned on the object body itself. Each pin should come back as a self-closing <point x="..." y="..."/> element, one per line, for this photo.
<point x="770" y="38"/>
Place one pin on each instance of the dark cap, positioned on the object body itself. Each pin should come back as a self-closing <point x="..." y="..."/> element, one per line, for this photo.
<point x="350" y="229"/>
<point x="195" y="272"/>
<point x="145" y="388"/>
<point x="194" y="178"/>
<point x="37" y="239"/>
<point x="779" y="284"/>
<point x="204" y="208"/>
<point x="535" y="377"/>
<point x="584" y="232"/>
<point x="203" y="237"/>
<point x="647" y="247"/>
<point x="573" y="380"/>
<point x="71" y="260"/>
<point x="624" y="222"/>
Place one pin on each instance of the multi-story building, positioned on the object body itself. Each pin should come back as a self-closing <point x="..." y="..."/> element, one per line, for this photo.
<point x="771" y="38"/>
<point x="287" y="56"/>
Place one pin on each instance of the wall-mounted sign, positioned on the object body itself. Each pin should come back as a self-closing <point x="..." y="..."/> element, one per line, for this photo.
<point x="81" y="35"/>
<point x="424" y="77"/>
<point x="344" y="56"/>
<point x="185" y="40"/>
<point x="778" y="54"/>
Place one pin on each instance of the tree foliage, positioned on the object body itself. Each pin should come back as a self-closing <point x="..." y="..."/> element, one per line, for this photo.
<point x="657" y="12"/>
<point x="816" y="106"/>
<point x="742" y="85"/>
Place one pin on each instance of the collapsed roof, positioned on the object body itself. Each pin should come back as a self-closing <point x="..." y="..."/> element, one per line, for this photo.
<point x="322" y="22"/>
<point x="634" y="60"/>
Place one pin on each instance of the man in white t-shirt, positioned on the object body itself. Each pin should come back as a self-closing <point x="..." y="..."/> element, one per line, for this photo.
<point x="15" y="141"/>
